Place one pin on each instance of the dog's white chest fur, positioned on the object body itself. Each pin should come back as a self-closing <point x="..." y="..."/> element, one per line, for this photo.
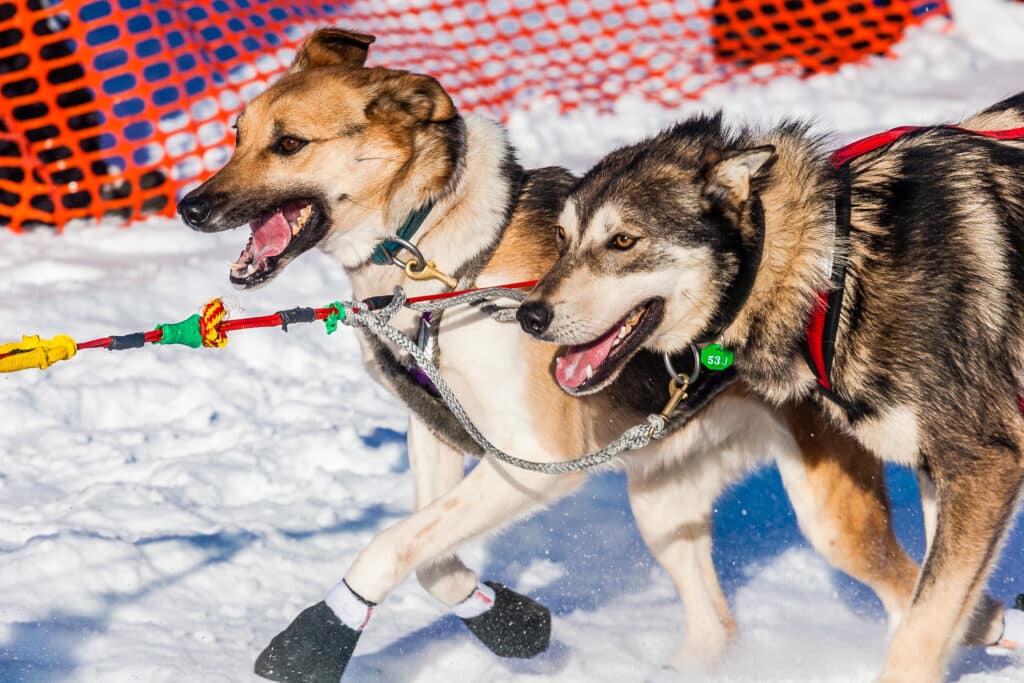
<point x="482" y="360"/>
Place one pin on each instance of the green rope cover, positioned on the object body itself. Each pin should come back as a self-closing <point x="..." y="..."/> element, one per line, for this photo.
<point x="186" y="332"/>
<point x="331" y="321"/>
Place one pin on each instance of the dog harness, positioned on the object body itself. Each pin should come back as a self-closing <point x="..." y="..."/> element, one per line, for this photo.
<point x="823" y="326"/>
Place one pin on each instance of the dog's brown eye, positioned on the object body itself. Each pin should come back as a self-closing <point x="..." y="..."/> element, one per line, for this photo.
<point x="289" y="145"/>
<point x="622" y="241"/>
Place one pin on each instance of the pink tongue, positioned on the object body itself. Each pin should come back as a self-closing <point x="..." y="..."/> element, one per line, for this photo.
<point x="270" y="236"/>
<point x="571" y="369"/>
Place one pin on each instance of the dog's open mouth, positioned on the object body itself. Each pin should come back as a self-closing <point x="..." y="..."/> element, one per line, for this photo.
<point x="588" y="366"/>
<point x="277" y="236"/>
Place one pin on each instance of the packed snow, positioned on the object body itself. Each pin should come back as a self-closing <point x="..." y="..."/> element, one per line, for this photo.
<point x="164" y="512"/>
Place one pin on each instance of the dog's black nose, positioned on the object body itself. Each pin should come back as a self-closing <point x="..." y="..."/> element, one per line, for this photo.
<point x="194" y="211"/>
<point x="534" y="317"/>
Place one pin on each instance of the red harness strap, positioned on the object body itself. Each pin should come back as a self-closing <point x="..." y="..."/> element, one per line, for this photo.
<point x="820" y="333"/>
<point x="815" y="333"/>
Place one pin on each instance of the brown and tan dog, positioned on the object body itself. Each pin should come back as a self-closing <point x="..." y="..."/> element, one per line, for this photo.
<point x="338" y="156"/>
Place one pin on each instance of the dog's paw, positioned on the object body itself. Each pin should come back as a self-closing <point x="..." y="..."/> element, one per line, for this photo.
<point x="315" y="648"/>
<point x="514" y="626"/>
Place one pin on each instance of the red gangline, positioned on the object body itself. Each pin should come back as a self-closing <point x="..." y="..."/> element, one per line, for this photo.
<point x="274" y="319"/>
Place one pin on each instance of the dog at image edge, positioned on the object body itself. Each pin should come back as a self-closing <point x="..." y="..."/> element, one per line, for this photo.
<point x="927" y="364"/>
<point x="338" y="156"/>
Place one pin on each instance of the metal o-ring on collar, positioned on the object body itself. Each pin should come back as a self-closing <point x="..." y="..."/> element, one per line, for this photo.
<point x="417" y="255"/>
<point x="675" y="375"/>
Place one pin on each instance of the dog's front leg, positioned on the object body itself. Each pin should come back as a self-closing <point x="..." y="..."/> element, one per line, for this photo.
<point x="316" y="647"/>
<point x="437" y="468"/>
<point x="488" y="498"/>
<point x="673" y="514"/>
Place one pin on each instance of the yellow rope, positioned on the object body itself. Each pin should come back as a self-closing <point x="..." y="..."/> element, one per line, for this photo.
<point x="33" y="352"/>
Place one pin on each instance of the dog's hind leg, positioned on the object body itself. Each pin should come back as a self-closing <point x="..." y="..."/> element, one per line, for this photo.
<point x="675" y="522"/>
<point x="929" y="506"/>
<point x="986" y="623"/>
<point x="838" y="492"/>
<point x="977" y="486"/>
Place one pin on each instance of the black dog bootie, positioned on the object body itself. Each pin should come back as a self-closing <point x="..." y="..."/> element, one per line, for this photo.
<point x="515" y="626"/>
<point x="315" y="648"/>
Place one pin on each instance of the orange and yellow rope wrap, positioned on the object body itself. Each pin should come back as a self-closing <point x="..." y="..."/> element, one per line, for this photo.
<point x="209" y="324"/>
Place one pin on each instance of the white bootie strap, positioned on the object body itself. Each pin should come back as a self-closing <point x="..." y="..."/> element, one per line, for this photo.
<point x="478" y="602"/>
<point x="347" y="605"/>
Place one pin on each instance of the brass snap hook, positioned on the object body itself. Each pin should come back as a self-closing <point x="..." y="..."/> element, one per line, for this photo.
<point x="676" y="395"/>
<point x="417" y="267"/>
<point x="428" y="271"/>
<point x="678" y="385"/>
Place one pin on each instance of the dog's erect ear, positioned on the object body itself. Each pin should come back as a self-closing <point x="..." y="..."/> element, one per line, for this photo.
<point x="332" y="47"/>
<point x="729" y="177"/>
<point x="414" y="96"/>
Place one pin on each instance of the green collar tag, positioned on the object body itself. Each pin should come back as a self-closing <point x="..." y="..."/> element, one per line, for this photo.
<point x="386" y="249"/>
<point x="716" y="357"/>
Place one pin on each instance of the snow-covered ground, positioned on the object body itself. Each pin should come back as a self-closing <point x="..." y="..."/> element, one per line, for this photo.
<point x="163" y="512"/>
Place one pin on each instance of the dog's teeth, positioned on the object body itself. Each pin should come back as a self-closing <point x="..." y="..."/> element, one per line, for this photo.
<point x="590" y="372"/>
<point x="301" y="219"/>
<point x="237" y="265"/>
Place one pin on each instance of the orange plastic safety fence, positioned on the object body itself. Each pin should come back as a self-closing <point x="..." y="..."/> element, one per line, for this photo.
<point x="819" y="35"/>
<point x="110" y="107"/>
<point x="116" y="107"/>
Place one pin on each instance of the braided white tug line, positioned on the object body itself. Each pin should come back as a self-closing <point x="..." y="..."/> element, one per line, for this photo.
<point x="378" y="322"/>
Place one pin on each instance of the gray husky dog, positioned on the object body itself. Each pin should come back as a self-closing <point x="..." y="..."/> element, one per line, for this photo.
<point x="884" y="282"/>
